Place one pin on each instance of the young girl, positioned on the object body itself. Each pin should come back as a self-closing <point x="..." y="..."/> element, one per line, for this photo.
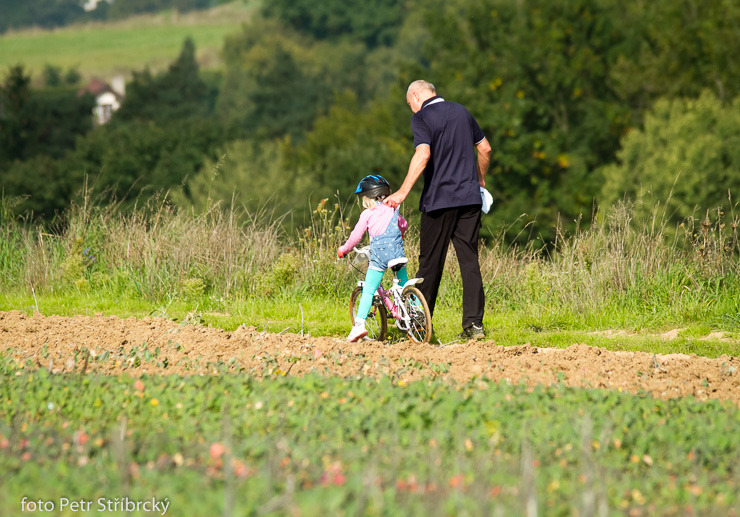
<point x="386" y="228"/>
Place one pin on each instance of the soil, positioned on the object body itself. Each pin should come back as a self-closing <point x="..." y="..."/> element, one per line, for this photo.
<point x="112" y="345"/>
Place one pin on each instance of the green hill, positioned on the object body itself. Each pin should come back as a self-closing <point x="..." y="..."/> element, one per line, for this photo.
<point x="106" y="49"/>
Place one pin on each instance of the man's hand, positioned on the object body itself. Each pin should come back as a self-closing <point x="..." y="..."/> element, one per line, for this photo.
<point x="416" y="168"/>
<point x="394" y="199"/>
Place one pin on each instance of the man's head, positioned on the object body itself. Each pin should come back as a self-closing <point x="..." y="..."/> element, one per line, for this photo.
<point x="418" y="92"/>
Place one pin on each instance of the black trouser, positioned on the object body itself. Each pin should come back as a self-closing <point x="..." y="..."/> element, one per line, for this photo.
<point x="460" y="225"/>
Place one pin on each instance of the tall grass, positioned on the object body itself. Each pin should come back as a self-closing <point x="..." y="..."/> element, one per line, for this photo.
<point x="620" y="270"/>
<point x="154" y="251"/>
<point x="623" y="263"/>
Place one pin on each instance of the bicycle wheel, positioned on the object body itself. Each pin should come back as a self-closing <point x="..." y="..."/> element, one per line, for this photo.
<point x="377" y="319"/>
<point x="420" y="324"/>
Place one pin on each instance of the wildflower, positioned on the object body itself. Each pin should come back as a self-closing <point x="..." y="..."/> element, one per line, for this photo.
<point x="217" y="450"/>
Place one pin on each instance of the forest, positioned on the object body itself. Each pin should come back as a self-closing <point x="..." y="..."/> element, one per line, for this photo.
<point x="49" y="14"/>
<point x="584" y="102"/>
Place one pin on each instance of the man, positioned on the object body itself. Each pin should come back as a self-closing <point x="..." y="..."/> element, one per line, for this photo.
<point x="445" y="137"/>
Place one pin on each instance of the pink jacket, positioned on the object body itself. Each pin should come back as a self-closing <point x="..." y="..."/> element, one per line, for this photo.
<point x="375" y="221"/>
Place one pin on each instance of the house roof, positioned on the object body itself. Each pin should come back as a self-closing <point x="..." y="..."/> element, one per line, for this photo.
<point x="97" y="87"/>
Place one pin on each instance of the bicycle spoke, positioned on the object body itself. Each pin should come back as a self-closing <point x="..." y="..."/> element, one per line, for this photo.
<point x="418" y="320"/>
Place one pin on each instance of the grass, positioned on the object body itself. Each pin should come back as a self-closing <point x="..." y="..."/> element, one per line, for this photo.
<point x="108" y="49"/>
<point x="232" y="267"/>
<point x="324" y="316"/>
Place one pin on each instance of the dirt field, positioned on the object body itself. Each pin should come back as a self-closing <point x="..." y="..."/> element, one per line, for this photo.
<point x="160" y="346"/>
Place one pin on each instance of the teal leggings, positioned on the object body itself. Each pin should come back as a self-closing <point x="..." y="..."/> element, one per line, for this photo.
<point x="372" y="282"/>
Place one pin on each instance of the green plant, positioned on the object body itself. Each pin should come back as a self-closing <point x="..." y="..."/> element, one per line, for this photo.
<point x="193" y="288"/>
<point x="358" y="445"/>
<point x="77" y="263"/>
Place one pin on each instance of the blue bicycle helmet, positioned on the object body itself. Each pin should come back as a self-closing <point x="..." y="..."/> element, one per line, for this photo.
<point x="374" y="187"/>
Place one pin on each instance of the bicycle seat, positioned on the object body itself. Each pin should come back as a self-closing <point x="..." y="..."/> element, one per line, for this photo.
<point x="397" y="264"/>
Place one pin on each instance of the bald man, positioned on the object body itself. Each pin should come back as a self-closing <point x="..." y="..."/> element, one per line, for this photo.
<point x="446" y="138"/>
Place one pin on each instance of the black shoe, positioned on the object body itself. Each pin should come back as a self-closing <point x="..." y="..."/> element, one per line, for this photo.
<point x="473" y="332"/>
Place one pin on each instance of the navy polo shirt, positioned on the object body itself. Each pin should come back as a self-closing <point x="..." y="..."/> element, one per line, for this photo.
<point x="451" y="175"/>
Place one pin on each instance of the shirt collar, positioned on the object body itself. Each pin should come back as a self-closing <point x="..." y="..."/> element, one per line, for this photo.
<point x="431" y="100"/>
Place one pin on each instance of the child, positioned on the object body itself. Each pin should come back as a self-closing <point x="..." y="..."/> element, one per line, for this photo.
<point x="386" y="228"/>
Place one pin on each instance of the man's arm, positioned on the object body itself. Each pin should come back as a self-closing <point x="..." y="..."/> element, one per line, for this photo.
<point x="484" y="160"/>
<point x="416" y="168"/>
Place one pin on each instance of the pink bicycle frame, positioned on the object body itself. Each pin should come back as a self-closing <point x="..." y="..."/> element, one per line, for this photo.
<point x="385" y="296"/>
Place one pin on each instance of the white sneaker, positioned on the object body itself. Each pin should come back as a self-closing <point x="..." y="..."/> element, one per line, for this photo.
<point x="358" y="332"/>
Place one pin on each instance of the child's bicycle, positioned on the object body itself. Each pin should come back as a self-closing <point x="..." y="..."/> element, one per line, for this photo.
<point x="404" y="303"/>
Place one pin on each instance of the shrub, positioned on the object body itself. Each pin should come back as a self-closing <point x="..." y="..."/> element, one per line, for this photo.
<point x="687" y="156"/>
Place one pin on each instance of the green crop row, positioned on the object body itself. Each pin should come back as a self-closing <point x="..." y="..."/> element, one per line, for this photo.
<point x="241" y="445"/>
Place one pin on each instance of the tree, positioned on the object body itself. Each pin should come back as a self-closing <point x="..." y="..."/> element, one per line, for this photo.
<point x="118" y="10"/>
<point x="39" y="13"/>
<point x="38" y="182"/>
<point x="687" y="157"/>
<point x="344" y="145"/>
<point x="176" y="94"/>
<point x="40" y="121"/>
<point x="678" y="48"/>
<point x="162" y="137"/>
<point x="61" y="117"/>
<point x="250" y="173"/>
<point x="72" y="77"/>
<point x="282" y="79"/>
<point x="375" y="22"/>
<point x="273" y="85"/>
<point x="131" y="158"/>
<point x="556" y="83"/>
<point x="52" y="75"/>
<point x="535" y="74"/>
<point x="350" y="142"/>
<point x="15" y="119"/>
<point x="284" y="99"/>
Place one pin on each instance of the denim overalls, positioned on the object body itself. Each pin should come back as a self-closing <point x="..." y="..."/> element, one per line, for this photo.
<point x="386" y="246"/>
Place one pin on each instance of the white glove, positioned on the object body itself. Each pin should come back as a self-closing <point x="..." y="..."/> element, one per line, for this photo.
<point x="486" y="199"/>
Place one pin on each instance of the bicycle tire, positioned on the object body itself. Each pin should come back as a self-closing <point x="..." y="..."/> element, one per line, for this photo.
<point x="377" y="319"/>
<point x="416" y="306"/>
